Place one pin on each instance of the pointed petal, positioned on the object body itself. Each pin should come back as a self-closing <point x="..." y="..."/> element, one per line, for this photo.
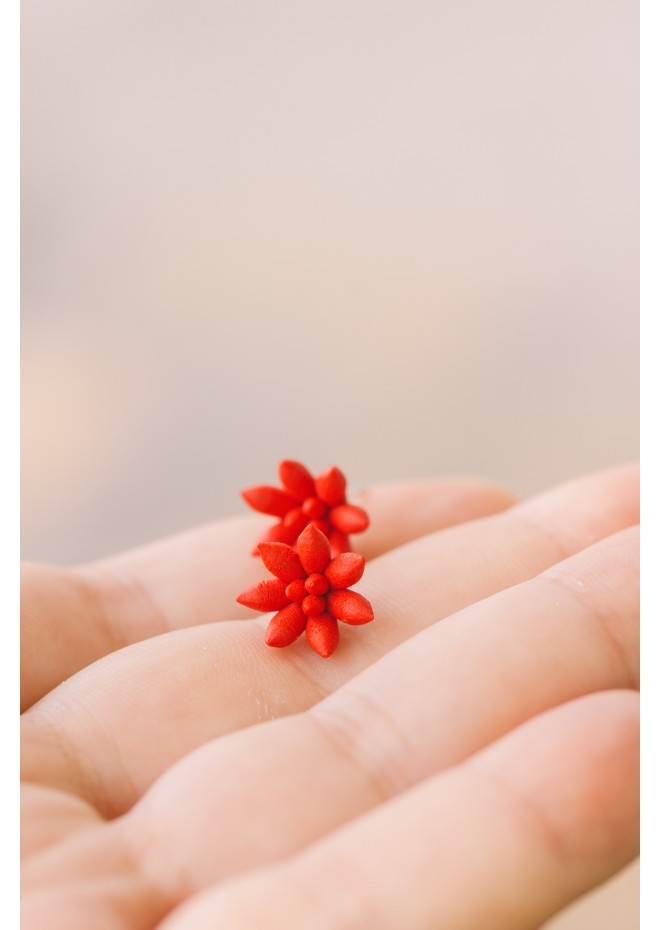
<point x="323" y="634"/>
<point x="323" y="526"/>
<point x="269" y="500"/>
<point x="282" y="561"/>
<point x="290" y="537"/>
<point x="278" y="532"/>
<point x="296" y="479"/>
<point x="286" y="626"/>
<point x="339" y="542"/>
<point x="274" y="533"/>
<point x="296" y="521"/>
<point x="331" y="486"/>
<point x="345" y="570"/>
<point x="314" y="550"/>
<point x="350" y="607"/>
<point x="265" y="595"/>
<point x="349" y="519"/>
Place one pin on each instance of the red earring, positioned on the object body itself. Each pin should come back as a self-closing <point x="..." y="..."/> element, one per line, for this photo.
<point x="304" y="499"/>
<point x="309" y="591"/>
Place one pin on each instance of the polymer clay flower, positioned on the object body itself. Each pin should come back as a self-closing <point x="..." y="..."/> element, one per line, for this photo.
<point x="309" y="592"/>
<point x="304" y="499"/>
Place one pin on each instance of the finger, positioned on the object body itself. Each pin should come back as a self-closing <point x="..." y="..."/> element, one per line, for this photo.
<point x="430" y="703"/>
<point x="71" y="618"/>
<point x="194" y="578"/>
<point x="193" y="685"/>
<point x="504" y="840"/>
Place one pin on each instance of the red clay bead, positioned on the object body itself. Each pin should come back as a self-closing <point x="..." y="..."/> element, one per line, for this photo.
<point x="286" y="626"/>
<point x="331" y="486"/>
<point x="323" y="635"/>
<point x="349" y="519"/>
<point x="317" y="584"/>
<point x="314" y="550"/>
<point x="339" y="542"/>
<point x="265" y="595"/>
<point x="282" y="561"/>
<point x="273" y="501"/>
<point x="345" y="570"/>
<point x="313" y="605"/>
<point x="296" y="591"/>
<point x="296" y="479"/>
<point x="350" y="607"/>
<point x="314" y="509"/>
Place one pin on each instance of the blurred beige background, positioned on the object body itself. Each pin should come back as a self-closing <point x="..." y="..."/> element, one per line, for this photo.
<point x="399" y="237"/>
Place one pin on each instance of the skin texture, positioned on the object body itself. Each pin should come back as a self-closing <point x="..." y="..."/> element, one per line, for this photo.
<point x="466" y="760"/>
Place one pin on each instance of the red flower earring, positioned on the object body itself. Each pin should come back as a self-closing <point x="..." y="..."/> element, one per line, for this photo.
<point x="303" y="500"/>
<point x="309" y="592"/>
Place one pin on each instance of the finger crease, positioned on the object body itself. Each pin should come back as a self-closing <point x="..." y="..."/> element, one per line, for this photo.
<point x="539" y="823"/>
<point x="131" y="585"/>
<point x="364" y="734"/>
<point x="602" y="623"/>
<point x="562" y="549"/>
<point x="80" y="782"/>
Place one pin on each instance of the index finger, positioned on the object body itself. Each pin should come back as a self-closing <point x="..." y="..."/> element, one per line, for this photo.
<point x="69" y="619"/>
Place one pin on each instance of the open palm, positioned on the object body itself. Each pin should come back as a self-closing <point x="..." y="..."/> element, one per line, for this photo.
<point x="467" y="760"/>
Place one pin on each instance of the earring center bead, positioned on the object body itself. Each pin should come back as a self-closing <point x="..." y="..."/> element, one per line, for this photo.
<point x="316" y="584"/>
<point x="313" y="606"/>
<point x="314" y="509"/>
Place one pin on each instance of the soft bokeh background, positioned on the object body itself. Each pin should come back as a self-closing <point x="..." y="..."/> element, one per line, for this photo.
<point x="399" y="237"/>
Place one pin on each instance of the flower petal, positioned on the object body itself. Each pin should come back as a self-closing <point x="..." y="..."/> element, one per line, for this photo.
<point x="296" y="479"/>
<point x="273" y="501"/>
<point x="265" y="595"/>
<point x="350" y="607"/>
<point x="345" y="570"/>
<point x="286" y="626"/>
<point x="339" y="542"/>
<point x="331" y="486"/>
<point x="349" y="519"/>
<point x="323" y="634"/>
<point x="274" y="533"/>
<point x="282" y="561"/>
<point x="290" y="536"/>
<point x="296" y="521"/>
<point x="278" y="532"/>
<point x="314" y="550"/>
<point x="322" y="526"/>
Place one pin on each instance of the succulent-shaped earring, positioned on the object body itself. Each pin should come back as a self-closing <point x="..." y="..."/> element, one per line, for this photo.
<point x="304" y="499"/>
<point x="309" y="592"/>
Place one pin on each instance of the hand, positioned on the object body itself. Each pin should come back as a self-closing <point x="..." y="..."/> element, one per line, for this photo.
<point x="467" y="760"/>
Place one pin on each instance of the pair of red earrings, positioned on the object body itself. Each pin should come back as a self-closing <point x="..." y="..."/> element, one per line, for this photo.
<point x="308" y="551"/>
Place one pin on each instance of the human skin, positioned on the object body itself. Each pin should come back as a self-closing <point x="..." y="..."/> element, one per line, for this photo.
<point x="468" y="759"/>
